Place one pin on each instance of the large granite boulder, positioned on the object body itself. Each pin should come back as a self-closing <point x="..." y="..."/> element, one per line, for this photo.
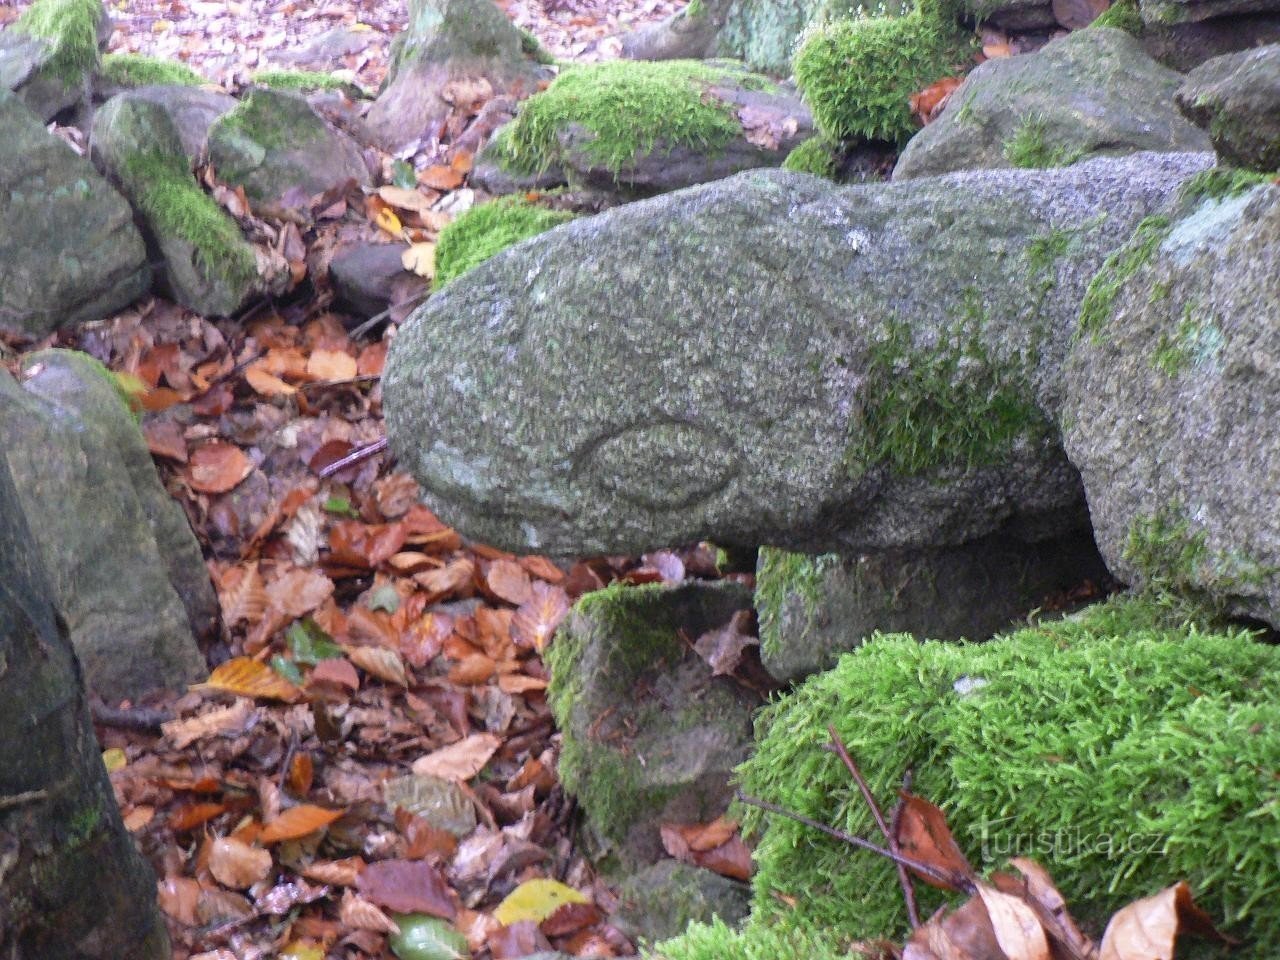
<point x="1092" y="92"/>
<point x="770" y="359"/>
<point x="1172" y="410"/>
<point x="447" y="47"/>
<point x="276" y="146"/>
<point x="650" y="736"/>
<point x="814" y="609"/>
<point x="75" y="887"/>
<point x="129" y="578"/>
<point x="69" y="251"/>
<point x="190" y="110"/>
<point x="48" y="55"/>
<point x="205" y="261"/>
<point x="1237" y="99"/>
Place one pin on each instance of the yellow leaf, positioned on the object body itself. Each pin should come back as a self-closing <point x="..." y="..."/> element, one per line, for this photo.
<point x="249" y="678"/>
<point x="388" y="222"/>
<point x="114" y="759"/>
<point x="536" y="900"/>
<point x="420" y="258"/>
<point x="302" y="950"/>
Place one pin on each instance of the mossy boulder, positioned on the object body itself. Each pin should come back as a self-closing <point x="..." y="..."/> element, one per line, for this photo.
<point x="718" y="940"/>
<point x="815" y="609"/>
<point x="644" y="128"/>
<point x="1170" y="411"/>
<point x="487" y="229"/>
<point x="207" y="263"/>
<point x="129" y="577"/>
<point x="661" y="900"/>
<point x="1166" y="13"/>
<point x="770" y="359"/>
<point x="650" y="736"/>
<point x="306" y="81"/>
<point x="49" y="53"/>
<point x="1237" y="99"/>
<point x="280" y="150"/>
<point x="190" y="110"/>
<point x="858" y="75"/>
<point x="1091" y="92"/>
<point x="1122" y="751"/>
<point x="69" y="251"/>
<point x="449" y="44"/>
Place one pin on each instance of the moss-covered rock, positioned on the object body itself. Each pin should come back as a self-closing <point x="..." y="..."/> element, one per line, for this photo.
<point x="649" y="736"/>
<point x="718" y="940"/>
<point x="655" y="127"/>
<point x="1092" y="92"/>
<point x="127" y="70"/>
<point x="1237" y="99"/>
<point x="858" y="75"/>
<point x="274" y="144"/>
<point x="661" y="900"/>
<point x="1121" y="751"/>
<point x="49" y="52"/>
<point x="814" y="609"/>
<point x="208" y="265"/>
<point x="69" y="250"/>
<point x="487" y="229"/>
<point x="817" y="156"/>
<point x="1170" y="412"/>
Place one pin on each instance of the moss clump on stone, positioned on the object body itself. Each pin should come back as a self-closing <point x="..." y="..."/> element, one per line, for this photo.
<point x="781" y="575"/>
<point x="305" y="81"/>
<point x="1123" y="15"/>
<point x="630" y="108"/>
<point x="1100" y="298"/>
<point x="136" y="70"/>
<point x="1221" y="183"/>
<point x="756" y="941"/>
<point x="173" y="202"/>
<point x="1194" y="341"/>
<point x="532" y="48"/>
<point x="71" y="29"/>
<point x="257" y="118"/>
<point x="948" y="404"/>
<point x="488" y="229"/>
<point x="858" y="75"/>
<point x="1122" y="750"/>
<point x="1029" y="147"/>
<point x="817" y="155"/>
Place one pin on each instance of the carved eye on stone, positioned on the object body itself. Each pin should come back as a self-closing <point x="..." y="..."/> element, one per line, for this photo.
<point x="659" y="466"/>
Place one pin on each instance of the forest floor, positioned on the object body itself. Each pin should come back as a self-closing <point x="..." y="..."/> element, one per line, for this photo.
<point x="378" y="685"/>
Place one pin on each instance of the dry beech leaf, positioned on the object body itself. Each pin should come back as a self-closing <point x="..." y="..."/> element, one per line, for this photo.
<point x="515" y="683"/>
<point x="331" y="365"/>
<point x="360" y="914"/>
<point x="298" y="822"/>
<point x="509" y="581"/>
<point x="337" y="873"/>
<point x="165" y="439"/>
<point x="722" y="648"/>
<point x="448" y="578"/>
<point x="238" y="865"/>
<point x="420" y="258"/>
<point x="177" y="897"/>
<point x="247" y="677"/>
<point x="440" y="177"/>
<point x="267" y="384"/>
<point x="217" y="467"/>
<point x="408" y="886"/>
<point x="1036" y="887"/>
<point x="241" y="595"/>
<point x="405" y="199"/>
<point x="1017" y="930"/>
<point x="139" y="817"/>
<point x="382" y="663"/>
<point x="225" y="720"/>
<point x="537" y="618"/>
<point x="1148" y="929"/>
<point x="299" y="592"/>
<point x="459" y="761"/>
<point x="336" y="671"/>
<point x="923" y="834"/>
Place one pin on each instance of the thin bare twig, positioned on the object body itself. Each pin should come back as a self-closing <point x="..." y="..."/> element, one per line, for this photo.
<point x="890" y="836"/>
<point x="942" y="876"/>
<point x="146" y="719"/>
<point x="358" y="455"/>
<point x="895" y="820"/>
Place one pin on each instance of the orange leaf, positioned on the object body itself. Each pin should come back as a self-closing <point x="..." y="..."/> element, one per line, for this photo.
<point x="928" y="103"/>
<point x="508" y="580"/>
<point x="331" y="365"/>
<point x="298" y="822"/>
<point x="923" y="834"/>
<point x="382" y="663"/>
<point x="461" y="760"/>
<point x="537" y="618"/>
<point x="266" y="383"/>
<point x="440" y="177"/>
<point x="1148" y="929"/>
<point x="217" y="467"/>
<point x="164" y="439"/>
<point x="193" y="814"/>
<point x="247" y="677"/>
<point x="236" y="864"/>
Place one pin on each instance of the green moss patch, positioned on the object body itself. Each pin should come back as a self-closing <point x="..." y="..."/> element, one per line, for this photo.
<point x="1122" y="751"/>
<point x="859" y="75"/>
<point x="1029" y="147"/>
<point x="488" y="229"/>
<point x="71" y="29"/>
<point x="780" y="575"/>
<point x="630" y="108"/>
<point x="1123" y="15"/>
<point x="946" y="404"/>
<point x="173" y="202"/>
<point x="817" y="155"/>
<point x="1221" y="183"/>
<point x="258" y="118"/>
<point x="136" y="70"/>
<point x="757" y="941"/>
<point x="1100" y="298"/>
<point x="305" y="81"/>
